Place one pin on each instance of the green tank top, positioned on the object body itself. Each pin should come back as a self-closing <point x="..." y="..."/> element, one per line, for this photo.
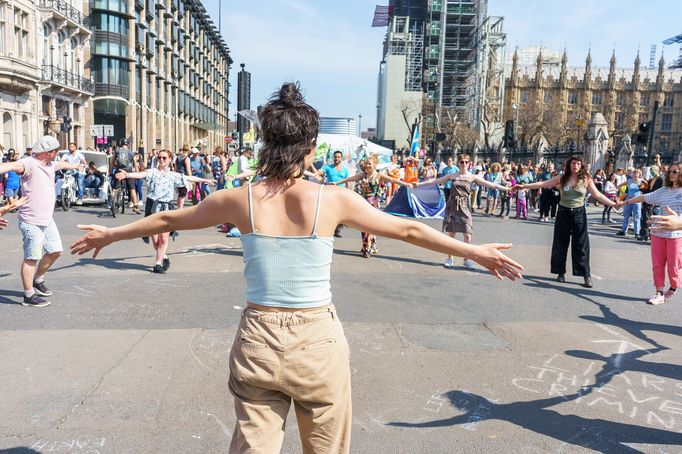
<point x="573" y="197"/>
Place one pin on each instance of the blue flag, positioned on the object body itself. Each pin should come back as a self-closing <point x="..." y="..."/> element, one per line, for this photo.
<point x="414" y="147"/>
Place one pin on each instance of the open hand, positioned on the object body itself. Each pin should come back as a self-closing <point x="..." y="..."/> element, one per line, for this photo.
<point x="491" y="258"/>
<point x="211" y="182"/>
<point x="13" y="206"/>
<point x="121" y="175"/>
<point x="3" y="223"/>
<point x="96" y="238"/>
<point x="666" y="223"/>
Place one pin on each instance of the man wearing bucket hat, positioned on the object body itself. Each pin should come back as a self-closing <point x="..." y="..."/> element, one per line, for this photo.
<point x="37" y="227"/>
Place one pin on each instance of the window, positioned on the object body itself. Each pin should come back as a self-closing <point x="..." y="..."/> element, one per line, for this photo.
<point x="620" y="120"/>
<point x="524" y="95"/>
<point x="573" y="97"/>
<point x="596" y="98"/>
<point x="644" y="100"/>
<point x="620" y="98"/>
<point x="668" y="101"/>
<point x="666" y="122"/>
<point x="20" y="34"/>
<point x="3" y="38"/>
<point x="548" y="97"/>
<point x="111" y="71"/>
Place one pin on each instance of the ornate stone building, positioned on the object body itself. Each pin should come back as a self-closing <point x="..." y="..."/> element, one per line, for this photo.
<point x="44" y="47"/>
<point x="552" y="103"/>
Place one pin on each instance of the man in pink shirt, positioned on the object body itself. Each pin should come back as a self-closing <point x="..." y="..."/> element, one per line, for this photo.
<point x="37" y="227"/>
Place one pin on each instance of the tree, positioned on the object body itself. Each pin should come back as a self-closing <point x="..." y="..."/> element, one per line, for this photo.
<point x="411" y="112"/>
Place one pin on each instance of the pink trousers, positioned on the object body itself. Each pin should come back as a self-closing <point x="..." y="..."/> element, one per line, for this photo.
<point x="666" y="252"/>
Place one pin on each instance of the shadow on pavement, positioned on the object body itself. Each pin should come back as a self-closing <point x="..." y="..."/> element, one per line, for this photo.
<point x="597" y="434"/>
<point x="388" y="257"/>
<point x="574" y="288"/>
<point x="19" y="450"/>
<point x="113" y="264"/>
<point x="5" y="296"/>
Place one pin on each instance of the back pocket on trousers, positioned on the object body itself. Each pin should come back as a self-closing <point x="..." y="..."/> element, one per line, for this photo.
<point x="319" y="344"/>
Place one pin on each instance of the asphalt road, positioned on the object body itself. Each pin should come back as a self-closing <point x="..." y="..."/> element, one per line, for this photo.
<point x="443" y="361"/>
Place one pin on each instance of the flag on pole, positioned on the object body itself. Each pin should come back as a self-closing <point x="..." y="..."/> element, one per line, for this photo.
<point x="414" y="146"/>
<point x="382" y="15"/>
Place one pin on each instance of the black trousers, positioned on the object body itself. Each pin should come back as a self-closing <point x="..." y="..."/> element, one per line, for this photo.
<point x="505" y="202"/>
<point x="571" y="227"/>
<point x="647" y="212"/>
<point x="548" y="203"/>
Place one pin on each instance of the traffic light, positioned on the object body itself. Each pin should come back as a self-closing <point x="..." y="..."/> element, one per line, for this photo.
<point x="235" y="135"/>
<point x="643" y="135"/>
<point x="66" y="124"/>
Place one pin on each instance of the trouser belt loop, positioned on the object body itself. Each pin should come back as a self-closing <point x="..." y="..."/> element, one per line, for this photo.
<point x="331" y="312"/>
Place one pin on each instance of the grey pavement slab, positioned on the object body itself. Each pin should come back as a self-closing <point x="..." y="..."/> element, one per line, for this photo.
<point x="125" y="361"/>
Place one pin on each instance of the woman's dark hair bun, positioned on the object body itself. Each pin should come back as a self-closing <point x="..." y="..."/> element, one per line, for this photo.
<point x="290" y="94"/>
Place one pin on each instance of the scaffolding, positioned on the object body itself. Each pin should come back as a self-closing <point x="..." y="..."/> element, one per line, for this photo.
<point x="490" y="97"/>
<point x="407" y="38"/>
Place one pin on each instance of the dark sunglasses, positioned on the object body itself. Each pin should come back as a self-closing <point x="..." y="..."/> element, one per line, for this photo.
<point x="163" y="157"/>
<point x="674" y="171"/>
<point x="464" y="162"/>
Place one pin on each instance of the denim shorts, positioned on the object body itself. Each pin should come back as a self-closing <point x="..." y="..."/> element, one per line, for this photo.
<point x="40" y="238"/>
<point x="11" y="192"/>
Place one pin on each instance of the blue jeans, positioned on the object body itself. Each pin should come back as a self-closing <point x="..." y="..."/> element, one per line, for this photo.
<point x="634" y="210"/>
<point x="138" y="189"/>
<point x="80" y="182"/>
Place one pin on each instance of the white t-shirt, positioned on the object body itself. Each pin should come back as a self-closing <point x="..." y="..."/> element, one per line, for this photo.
<point x="243" y="164"/>
<point x="664" y="197"/>
<point x="75" y="158"/>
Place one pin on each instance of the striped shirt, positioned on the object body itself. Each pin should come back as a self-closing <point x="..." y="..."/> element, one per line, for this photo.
<point x="666" y="197"/>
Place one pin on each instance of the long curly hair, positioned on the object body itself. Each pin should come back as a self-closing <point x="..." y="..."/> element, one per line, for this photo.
<point x="289" y="129"/>
<point x="582" y="173"/>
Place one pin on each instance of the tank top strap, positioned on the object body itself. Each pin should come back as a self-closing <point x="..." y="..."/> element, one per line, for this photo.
<point x="253" y="224"/>
<point x="317" y="211"/>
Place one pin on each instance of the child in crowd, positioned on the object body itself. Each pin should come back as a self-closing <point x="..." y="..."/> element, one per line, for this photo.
<point x="521" y="204"/>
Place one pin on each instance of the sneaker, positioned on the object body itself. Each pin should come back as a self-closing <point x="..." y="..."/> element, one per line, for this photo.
<point x="79" y="202"/>
<point x="41" y="289"/>
<point x="140" y="203"/>
<point x="35" y="301"/>
<point x="469" y="264"/>
<point x="669" y="294"/>
<point x="657" y="299"/>
<point x="588" y="282"/>
<point x="611" y="221"/>
<point x="166" y="263"/>
<point x="561" y="278"/>
<point x="620" y="233"/>
<point x="159" y="269"/>
<point x="449" y="263"/>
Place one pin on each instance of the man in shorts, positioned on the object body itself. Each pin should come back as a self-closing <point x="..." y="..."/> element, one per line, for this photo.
<point x="122" y="159"/>
<point x="37" y="227"/>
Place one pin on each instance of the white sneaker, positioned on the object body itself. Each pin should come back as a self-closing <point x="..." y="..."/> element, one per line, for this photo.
<point x="449" y="263"/>
<point x="470" y="264"/>
<point x="669" y="294"/>
<point x="657" y="299"/>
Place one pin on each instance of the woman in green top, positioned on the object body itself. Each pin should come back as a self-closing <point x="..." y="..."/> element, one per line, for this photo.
<point x="571" y="218"/>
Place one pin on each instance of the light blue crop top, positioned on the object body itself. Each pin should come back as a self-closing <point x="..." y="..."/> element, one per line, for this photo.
<point x="287" y="271"/>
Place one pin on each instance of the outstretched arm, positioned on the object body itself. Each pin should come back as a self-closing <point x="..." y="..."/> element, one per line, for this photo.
<point x="666" y="223"/>
<point x="547" y="184"/>
<point x="194" y="179"/>
<point x="598" y="195"/>
<point x="15" y="166"/>
<point x="436" y="181"/>
<point x="122" y="175"/>
<point x="213" y="210"/>
<point x="356" y="213"/>
<point x="356" y="177"/>
<point x="385" y="177"/>
<point x="483" y="182"/>
<point x="9" y="207"/>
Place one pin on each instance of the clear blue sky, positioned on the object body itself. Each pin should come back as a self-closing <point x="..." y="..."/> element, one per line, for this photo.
<point x="329" y="46"/>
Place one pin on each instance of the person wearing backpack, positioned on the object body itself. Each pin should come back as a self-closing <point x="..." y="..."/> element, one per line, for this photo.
<point x="122" y="159"/>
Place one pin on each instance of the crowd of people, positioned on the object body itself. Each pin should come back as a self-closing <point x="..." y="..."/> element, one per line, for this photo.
<point x="288" y="223"/>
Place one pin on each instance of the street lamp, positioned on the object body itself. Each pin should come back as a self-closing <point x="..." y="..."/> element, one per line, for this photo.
<point x="359" y="124"/>
<point x="516" y="125"/>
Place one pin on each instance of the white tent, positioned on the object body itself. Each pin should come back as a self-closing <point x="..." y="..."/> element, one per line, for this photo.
<point x="358" y="147"/>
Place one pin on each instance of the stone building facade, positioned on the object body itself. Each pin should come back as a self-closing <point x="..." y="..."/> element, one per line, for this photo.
<point x="44" y="47"/>
<point x="552" y="103"/>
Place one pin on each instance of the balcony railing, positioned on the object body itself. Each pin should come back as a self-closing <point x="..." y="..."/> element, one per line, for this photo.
<point x="61" y="76"/>
<point x="68" y="11"/>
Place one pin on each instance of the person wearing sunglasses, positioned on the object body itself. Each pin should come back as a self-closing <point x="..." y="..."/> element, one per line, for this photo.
<point x="161" y="184"/>
<point x="457" y="217"/>
<point x="666" y="243"/>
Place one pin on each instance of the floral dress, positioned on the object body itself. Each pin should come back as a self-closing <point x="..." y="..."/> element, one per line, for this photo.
<point x="372" y="189"/>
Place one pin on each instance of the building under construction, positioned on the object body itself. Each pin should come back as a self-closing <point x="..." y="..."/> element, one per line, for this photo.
<point x="452" y="54"/>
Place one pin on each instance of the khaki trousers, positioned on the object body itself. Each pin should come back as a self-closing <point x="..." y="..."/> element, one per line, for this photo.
<point x="278" y="357"/>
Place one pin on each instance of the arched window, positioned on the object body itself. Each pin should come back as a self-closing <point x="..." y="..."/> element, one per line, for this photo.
<point x="74" y="56"/>
<point x="64" y="50"/>
<point x="46" y="44"/>
<point x="7" y="131"/>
